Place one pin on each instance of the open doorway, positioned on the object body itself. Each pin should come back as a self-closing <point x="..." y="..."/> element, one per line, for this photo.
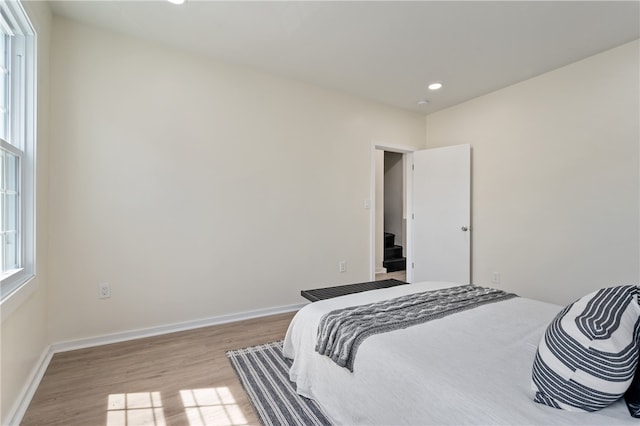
<point x="435" y="242"/>
<point x="391" y="237"/>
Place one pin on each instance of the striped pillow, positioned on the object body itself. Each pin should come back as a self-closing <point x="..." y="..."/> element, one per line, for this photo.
<point x="588" y="356"/>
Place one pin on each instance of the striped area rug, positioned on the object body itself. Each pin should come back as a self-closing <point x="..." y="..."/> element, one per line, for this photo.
<point x="264" y="373"/>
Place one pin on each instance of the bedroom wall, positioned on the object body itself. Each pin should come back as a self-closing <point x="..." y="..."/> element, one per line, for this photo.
<point x="197" y="188"/>
<point x="393" y="200"/>
<point x="23" y="331"/>
<point x="555" y="177"/>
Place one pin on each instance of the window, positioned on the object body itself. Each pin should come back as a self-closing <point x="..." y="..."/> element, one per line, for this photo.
<point x="17" y="147"/>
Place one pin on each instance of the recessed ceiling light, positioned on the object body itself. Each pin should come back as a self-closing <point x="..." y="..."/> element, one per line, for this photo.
<point x="176" y="1"/>
<point x="423" y="102"/>
<point x="435" y="86"/>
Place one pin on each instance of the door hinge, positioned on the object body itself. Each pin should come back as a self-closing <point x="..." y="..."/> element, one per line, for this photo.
<point x="413" y="167"/>
<point x="413" y="216"/>
<point x="413" y="265"/>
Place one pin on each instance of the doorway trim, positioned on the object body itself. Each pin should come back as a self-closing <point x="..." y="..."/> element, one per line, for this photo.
<point x="407" y="160"/>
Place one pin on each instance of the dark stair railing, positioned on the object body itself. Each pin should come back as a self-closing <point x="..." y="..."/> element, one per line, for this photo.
<point x="393" y="259"/>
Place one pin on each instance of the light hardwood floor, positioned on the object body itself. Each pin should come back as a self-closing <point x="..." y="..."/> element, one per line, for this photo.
<point x="398" y="275"/>
<point x="181" y="378"/>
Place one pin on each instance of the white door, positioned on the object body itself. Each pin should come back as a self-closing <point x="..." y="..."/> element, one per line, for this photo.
<point x="442" y="214"/>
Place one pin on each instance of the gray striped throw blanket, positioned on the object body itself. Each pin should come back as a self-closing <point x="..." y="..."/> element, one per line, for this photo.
<point x="340" y="332"/>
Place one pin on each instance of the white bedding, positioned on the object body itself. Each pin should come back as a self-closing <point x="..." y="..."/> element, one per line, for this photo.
<point x="473" y="367"/>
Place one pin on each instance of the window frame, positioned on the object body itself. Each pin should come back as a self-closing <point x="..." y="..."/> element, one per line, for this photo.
<point x="21" y="139"/>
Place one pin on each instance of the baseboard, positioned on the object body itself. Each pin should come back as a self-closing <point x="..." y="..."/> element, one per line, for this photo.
<point x="20" y="408"/>
<point x="171" y="328"/>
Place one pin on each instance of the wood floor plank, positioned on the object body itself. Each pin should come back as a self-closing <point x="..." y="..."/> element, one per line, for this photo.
<point x="180" y="378"/>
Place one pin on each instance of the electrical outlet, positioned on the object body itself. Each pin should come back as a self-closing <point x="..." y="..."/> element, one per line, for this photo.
<point x="342" y="266"/>
<point x="104" y="290"/>
<point x="495" y="278"/>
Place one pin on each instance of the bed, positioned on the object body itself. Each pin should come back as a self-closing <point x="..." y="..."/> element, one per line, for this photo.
<point x="472" y="367"/>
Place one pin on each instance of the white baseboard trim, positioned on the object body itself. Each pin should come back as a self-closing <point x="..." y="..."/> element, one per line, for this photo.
<point x="165" y="329"/>
<point x="14" y="418"/>
<point x="20" y="408"/>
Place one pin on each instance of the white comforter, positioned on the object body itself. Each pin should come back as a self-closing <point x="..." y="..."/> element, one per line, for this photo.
<point x="473" y="367"/>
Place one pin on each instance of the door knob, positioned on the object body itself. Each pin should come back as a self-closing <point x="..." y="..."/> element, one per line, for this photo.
<point x="464" y="229"/>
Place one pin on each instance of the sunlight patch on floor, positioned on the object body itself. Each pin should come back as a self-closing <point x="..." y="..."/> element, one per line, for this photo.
<point x="212" y="406"/>
<point x="135" y="409"/>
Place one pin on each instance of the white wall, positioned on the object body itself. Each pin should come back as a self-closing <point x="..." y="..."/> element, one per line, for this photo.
<point x="394" y="195"/>
<point x="198" y="188"/>
<point x="23" y="334"/>
<point x="555" y="177"/>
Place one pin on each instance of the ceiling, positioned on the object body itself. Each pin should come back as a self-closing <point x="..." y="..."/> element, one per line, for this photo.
<point x="386" y="51"/>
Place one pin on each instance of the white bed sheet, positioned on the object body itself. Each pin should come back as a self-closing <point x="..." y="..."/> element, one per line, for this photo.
<point x="473" y="367"/>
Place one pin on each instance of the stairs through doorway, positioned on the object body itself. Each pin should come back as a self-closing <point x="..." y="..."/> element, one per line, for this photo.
<point x="393" y="259"/>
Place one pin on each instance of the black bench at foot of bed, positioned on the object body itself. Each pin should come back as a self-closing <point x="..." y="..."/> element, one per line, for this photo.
<point x="341" y="290"/>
